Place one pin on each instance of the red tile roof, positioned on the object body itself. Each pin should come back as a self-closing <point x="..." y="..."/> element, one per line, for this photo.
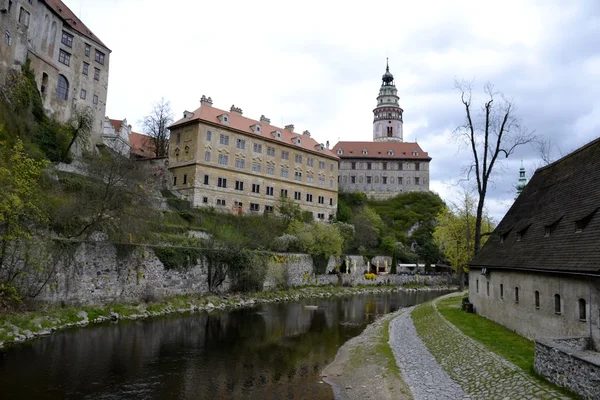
<point x="402" y="150"/>
<point x="141" y="145"/>
<point x="238" y="122"/>
<point x="116" y="123"/>
<point x="72" y="21"/>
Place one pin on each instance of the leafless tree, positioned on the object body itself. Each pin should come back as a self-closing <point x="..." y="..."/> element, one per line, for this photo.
<point x="155" y="125"/>
<point x="79" y="127"/>
<point x="495" y="132"/>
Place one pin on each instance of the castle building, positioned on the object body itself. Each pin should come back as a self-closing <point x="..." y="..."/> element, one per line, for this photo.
<point x="225" y="160"/>
<point x="70" y="62"/>
<point x="386" y="166"/>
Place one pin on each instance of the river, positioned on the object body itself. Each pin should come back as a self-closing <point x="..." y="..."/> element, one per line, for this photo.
<point x="270" y="351"/>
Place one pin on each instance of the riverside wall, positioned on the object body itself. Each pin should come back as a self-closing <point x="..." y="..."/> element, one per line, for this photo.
<point x="100" y="273"/>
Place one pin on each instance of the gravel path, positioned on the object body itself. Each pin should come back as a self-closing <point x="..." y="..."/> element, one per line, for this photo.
<point x="423" y="375"/>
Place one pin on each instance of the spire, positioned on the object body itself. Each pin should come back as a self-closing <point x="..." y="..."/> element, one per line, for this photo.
<point x="387" y="121"/>
<point x="387" y="78"/>
<point x="522" y="180"/>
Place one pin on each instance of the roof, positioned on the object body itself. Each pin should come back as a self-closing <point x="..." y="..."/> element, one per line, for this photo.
<point x="404" y="150"/>
<point x="210" y="114"/>
<point x="72" y="20"/>
<point x="556" y="197"/>
<point x="116" y="123"/>
<point x="141" y="145"/>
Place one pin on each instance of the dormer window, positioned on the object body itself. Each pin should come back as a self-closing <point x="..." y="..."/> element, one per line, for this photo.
<point x="415" y="153"/>
<point x="340" y="151"/>
<point x="255" y="128"/>
<point x="521" y="233"/>
<point x="390" y="152"/>
<point x="504" y="236"/>
<point x="224" y="118"/>
<point x="365" y="152"/>
<point x="276" y="134"/>
<point x="548" y="229"/>
<point x="297" y="140"/>
<point x="582" y="223"/>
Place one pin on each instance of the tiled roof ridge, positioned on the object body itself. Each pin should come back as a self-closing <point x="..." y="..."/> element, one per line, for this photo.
<point x="571" y="154"/>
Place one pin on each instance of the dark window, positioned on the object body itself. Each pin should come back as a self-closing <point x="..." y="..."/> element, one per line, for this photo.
<point x="62" y="90"/>
<point x="239" y="185"/>
<point x="321" y="200"/>
<point x="331" y="201"/>
<point x="83" y="94"/>
<point x="174" y="181"/>
<point x="384" y="165"/>
<point x="368" y="165"/>
<point x="208" y="135"/>
<point x="417" y="179"/>
<point x="557" y="303"/>
<point x="10" y="3"/>
<point x="488" y="288"/>
<point x="67" y="39"/>
<point x="384" y="180"/>
<point x="368" y="179"/>
<point x="206" y="179"/>
<point x="268" y="209"/>
<point x="206" y="156"/>
<point x="269" y="190"/>
<point x="95" y="100"/>
<point x="255" y="188"/>
<point x="353" y="165"/>
<point x="87" y="50"/>
<point x="240" y="144"/>
<point x="222" y="182"/>
<point x="400" y="167"/>
<point x="24" y="17"/>
<point x="178" y="138"/>
<point x="582" y="310"/>
<point x="352" y="179"/>
<point x="417" y="166"/>
<point x="254" y="207"/>
<point x="284" y="192"/>
<point x="100" y="57"/>
<point x="536" y="296"/>
<point x="309" y="197"/>
<point x="297" y="195"/>
<point x="477" y="285"/>
<point x="96" y="74"/>
<point x="184" y="179"/>
<point x="501" y="291"/>
<point x="64" y="58"/>
<point x="516" y="295"/>
<point x="7" y="37"/>
<point x="205" y="200"/>
<point x="86" y="67"/>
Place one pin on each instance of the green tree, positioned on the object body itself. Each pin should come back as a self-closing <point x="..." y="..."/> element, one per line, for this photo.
<point x="319" y="240"/>
<point x="288" y="209"/>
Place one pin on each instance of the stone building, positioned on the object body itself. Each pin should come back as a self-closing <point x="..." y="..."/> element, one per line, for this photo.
<point x="119" y="136"/>
<point x="70" y="62"/>
<point x="225" y="160"/>
<point x="539" y="272"/>
<point x="386" y="166"/>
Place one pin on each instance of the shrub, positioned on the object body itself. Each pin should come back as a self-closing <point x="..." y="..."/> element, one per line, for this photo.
<point x="370" y="277"/>
<point x="285" y="243"/>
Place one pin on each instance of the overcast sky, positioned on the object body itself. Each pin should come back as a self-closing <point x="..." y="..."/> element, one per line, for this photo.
<point x="318" y="65"/>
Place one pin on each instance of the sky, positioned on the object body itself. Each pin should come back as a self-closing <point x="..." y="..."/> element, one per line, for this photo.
<point x="318" y="65"/>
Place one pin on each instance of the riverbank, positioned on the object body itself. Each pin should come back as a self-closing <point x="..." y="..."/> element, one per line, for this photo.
<point x="365" y="368"/>
<point x="17" y="328"/>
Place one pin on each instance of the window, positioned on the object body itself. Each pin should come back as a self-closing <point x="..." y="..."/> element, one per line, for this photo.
<point x="239" y="163"/>
<point x="384" y="166"/>
<point x="331" y="184"/>
<point x="582" y="223"/>
<point x="582" y="310"/>
<point x="516" y="295"/>
<point x="270" y="170"/>
<point x="285" y="155"/>
<point x="24" y="17"/>
<point x="174" y="181"/>
<point x="271" y="151"/>
<point x="399" y="180"/>
<point x="240" y="144"/>
<point x="353" y="165"/>
<point x="96" y="74"/>
<point x="488" y="288"/>
<point x="384" y="180"/>
<point x="297" y="196"/>
<point x="62" y="90"/>
<point x="208" y="136"/>
<point x="331" y="167"/>
<point x="10" y="3"/>
<point x="321" y="216"/>
<point x="222" y="182"/>
<point x="557" y="303"/>
<point x="86" y="67"/>
<point x="417" y="179"/>
<point x="501" y="291"/>
<point x="268" y="209"/>
<point x="206" y="179"/>
<point x="269" y="190"/>
<point x="207" y="156"/>
<point x="283" y="193"/>
<point x="321" y="181"/>
<point x="353" y="179"/>
<point x="284" y="172"/>
<point x="64" y="57"/>
<point x="239" y="185"/>
<point x="83" y="94"/>
<point x="310" y="161"/>
<point x="536" y="297"/>
<point x="223" y="159"/>
<point x="7" y="37"/>
<point x="67" y="39"/>
<point x="331" y="201"/>
<point x="321" y="200"/>
<point x="309" y="197"/>
<point x="369" y="179"/>
<point x="477" y="285"/>
<point x="255" y="188"/>
<point x="298" y="176"/>
<point x="184" y="179"/>
<point x="417" y="166"/>
<point x="322" y="164"/>
<point x="205" y="200"/>
<point x="257" y="148"/>
<point x="310" y="179"/>
<point x="100" y="57"/>
<point x="368" y="165"/>
<point x="256" y="167"/>
<point x="95" y="99"/>
<point x="254" y="207"/>
<point x="221" y="202"/>
<point x="87" y="50"/>
<point x="224" y="139"/>
<point x="298" y="158"/>
<point x="399" y="166"/>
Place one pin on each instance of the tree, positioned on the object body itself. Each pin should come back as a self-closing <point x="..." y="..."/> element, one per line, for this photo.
<point x="288" y="209"/>
<point x="155" y="125"/>
<point x="319" y="240"/>
<point x="496" y="131"/>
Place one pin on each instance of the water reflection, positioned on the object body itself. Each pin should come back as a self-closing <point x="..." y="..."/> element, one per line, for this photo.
<point x="273" y="351"/>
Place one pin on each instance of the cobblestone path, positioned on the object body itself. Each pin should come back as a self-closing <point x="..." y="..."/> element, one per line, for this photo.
<point x="480" y="373"/>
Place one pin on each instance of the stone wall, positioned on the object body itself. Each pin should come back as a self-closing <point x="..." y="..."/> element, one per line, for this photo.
<point x="567" y="363"/>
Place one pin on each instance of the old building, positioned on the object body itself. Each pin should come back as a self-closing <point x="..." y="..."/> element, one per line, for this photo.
<point x="70" y="62"/>
<point x="225" y="160"/>
<point x="386" y="166"/>
<point x="539" y="272"/>
<point x="119" y="136"/>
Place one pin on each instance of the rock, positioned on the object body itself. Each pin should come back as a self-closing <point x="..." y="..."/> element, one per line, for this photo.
<point x="210" y="305"/>
<point x="114" y="316"/>
<point x="82" y="314"/>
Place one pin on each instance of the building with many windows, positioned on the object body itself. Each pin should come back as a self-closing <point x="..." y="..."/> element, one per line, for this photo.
<point x="222" y="159"/>
<point x="70" y="62"/>
<point x="386" y="166"/>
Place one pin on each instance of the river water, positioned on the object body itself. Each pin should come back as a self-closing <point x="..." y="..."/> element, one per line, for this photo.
<point x="270" y="351"/>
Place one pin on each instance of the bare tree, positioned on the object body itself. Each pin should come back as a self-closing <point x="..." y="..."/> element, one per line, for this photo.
<point x="79" y="127"/>
<point x="496" y="131"/>
<point x="155" y="125"/>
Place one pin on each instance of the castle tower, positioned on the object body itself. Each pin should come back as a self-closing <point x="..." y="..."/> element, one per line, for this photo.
<point x="387" y="122"/>
<point x="522" y="180"/>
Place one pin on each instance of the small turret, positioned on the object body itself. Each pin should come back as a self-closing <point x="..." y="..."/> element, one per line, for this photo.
<point x="522" y="180"/>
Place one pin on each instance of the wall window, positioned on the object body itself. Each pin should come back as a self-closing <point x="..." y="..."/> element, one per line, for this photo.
<point x="477" y="285"/>
<point x="206" y="179"/>
<point x="240" y="144"/>
<point x="271" y="151"/>
<point x="223" y="159"/>
<point x="285" y="155"/>
<point x="208" y="136"/>
<point x="322" y="164"/>
<point x="298" y="158"/>
<point x="256" y="167"/>
<point x="353" y="179"/>
<point x="417" y="180"/>
<point x="7" y="39"/>
<point x="331" y="167"/>
<point x="321" y="200"/>
<point x="298" y="176"/>
<point x="369" y="179"/>
<point x="205" y="200"/>
<point x="368" y="165"/>
<point x="254" y="207"/>
<point x="310" y="161"/>
<point x="239" y="163"/>
<point x="86" y="68"/>
<point x="331" y="184"/>
<point x="96" y="74"/>
<point x="269" y="191"/>
<point x="207" y="156"/>
<point x="557" y="303"/>
<point x="83" y="94"/>
<point x="174" y="181"/>
<point x="87" y="50"/>
<point x="310" y="179"/>
<point x="284" y="172"/>
<point x="399" y="180"/>
<point x="95" y="99"/>
<point x="283" y="193"/>
<point x="255" y="188"/>
<point x="239" y="185"/>
<point x="62" y="90"/>
<point x="582" y="310"/>
<point x="270" y="170"/>
<point x="400" y="167"/>
<point x="352" y="165"/>
<point x="321" y="181"/>
<point x="268" y="209"/>
<point x="501" y="291"/>
<point x="417" y="166"/>
<point x="321" y="216"/>
<point x="184" y="179"/>
<point x="67" y="39"/>
<point x="222" y="182"/>
<point x="331" y="201"/>
<point x="100" y="57"/>
<point x="309" y="197"/>
<point x="536" y="297"/>
<point x="64" y="57"/>
<point x="516" y="295"/>
<point x="10" y="3"/>
<point x="297" y="196"/>
<point x="178" y="137"/>
<point x="384" y="180"/>
<point x="221" y="202"/>
<point x="257" y="148"/>
<point x="224" y="139"/>
<point x="488" y="288"/>
<point x="24" y="17"/>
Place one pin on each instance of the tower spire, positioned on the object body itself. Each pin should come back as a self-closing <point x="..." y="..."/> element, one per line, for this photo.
<point x="522" y="180"/>
<point x="387" y="121"/>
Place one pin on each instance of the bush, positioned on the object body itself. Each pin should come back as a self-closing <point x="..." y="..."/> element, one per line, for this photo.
<point x="370" y="277"/>
<point x="285" y="243"/>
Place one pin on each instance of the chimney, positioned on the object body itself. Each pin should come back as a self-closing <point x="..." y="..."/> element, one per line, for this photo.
<point x="327" y="145"/>
<point x="187" y="114"/>
<point x="236" y="110"/>
<point x="306" y="133"/>
<point x="205" y="100"/>
<point x="265" y="119"/>
<point x="290" y="127"/>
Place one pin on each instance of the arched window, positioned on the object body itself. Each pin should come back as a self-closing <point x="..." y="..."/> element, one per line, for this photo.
<point x="62" y="90"/>
<point x="582" y="310"/>
<point x="557" y="303"/>
<point x="537" y="299"/>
